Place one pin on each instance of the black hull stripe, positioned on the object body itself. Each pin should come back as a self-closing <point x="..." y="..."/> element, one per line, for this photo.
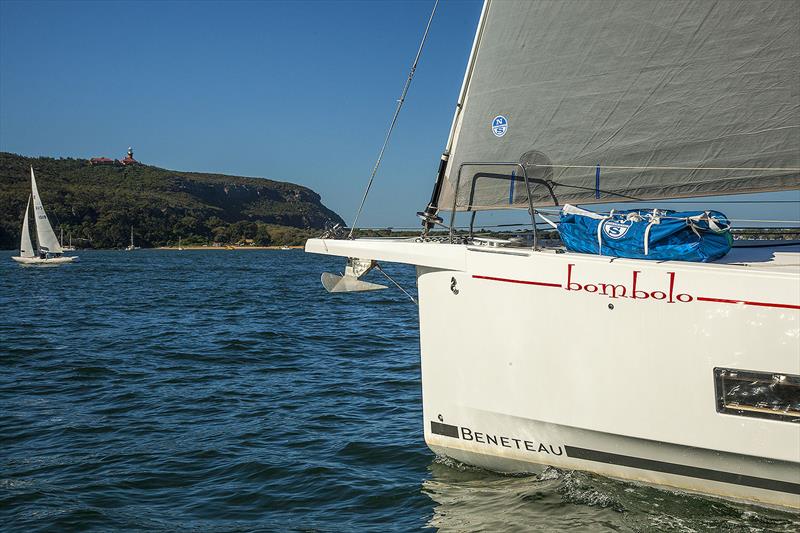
<point x="682" y="470"/>
<point x="444" y="429"/>
<point x="656" y="466"/>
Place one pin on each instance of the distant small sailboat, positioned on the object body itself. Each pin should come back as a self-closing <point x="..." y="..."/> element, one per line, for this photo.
<point x="284" y="247"/>
<point x="69" y="247"/>
<point x="131" y="245"/>
<point x="179" y="244"/>
<point x="49" y="250"/>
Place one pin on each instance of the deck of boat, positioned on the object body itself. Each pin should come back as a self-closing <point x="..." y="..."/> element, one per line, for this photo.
<point x="772" y="256"/>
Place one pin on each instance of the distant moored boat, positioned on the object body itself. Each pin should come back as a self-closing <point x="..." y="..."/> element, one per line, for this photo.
<point x="69" y="247"/>
<point x="131" y="245"/>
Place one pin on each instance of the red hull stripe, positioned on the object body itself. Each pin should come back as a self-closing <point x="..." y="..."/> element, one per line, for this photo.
<point x="699" y="298"/>
<point x="539" y="283"/>
<point x="745" y="302"/>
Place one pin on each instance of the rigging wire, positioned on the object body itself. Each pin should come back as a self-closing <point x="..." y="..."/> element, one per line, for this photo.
<point x="706" y="202"/>
<point x="620" y="194"/>
<point x="633" y="198"/>
<point x="667" y="217"/>
<point x="545" y="210"/>
<point x="379" y="269"/>
<point x="618" y="167"/>
<point x="394" y="119"/>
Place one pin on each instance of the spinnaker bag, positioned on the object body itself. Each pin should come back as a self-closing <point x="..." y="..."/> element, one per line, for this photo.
<point x="658" y="234"/>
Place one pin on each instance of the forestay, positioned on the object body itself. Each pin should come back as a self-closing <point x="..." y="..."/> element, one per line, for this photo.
<point x="44" y="232"/>
<point x="615" y="100"/>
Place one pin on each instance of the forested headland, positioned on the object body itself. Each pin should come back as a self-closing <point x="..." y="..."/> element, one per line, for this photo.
<point x="98" y="205"/>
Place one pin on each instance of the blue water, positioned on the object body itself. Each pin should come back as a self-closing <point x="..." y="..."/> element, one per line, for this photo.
<point x="226" y="391"/>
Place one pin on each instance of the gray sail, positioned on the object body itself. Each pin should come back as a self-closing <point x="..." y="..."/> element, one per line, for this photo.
<point x="614" y="100"/>
<point x="45" y="235"/>
<point x="25" y="244"/>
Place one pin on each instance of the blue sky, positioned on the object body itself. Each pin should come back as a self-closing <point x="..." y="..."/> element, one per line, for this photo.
<point x="296" y="91"/>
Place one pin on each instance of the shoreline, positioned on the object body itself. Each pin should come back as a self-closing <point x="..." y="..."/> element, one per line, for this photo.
<point x="224" y="248"/>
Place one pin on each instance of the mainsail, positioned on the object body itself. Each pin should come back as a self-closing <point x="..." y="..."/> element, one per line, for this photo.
<point x="613" y="100"/>
<point x="44" y="232"/>
<point x="25" y="245"/>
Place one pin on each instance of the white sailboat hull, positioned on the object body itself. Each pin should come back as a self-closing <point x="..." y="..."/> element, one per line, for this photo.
<point x="542" y="358"/>
<point x="38" y="261"/>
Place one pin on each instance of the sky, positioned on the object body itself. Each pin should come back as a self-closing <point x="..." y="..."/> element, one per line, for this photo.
<point x="297" y="91"/>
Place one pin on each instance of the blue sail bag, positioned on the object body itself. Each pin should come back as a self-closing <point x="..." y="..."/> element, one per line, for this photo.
<point x="657" y="234"/>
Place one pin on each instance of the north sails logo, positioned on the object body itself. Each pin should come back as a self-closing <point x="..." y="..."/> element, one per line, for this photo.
<point x="615" y="230"/>
<point x="499" y="125"/>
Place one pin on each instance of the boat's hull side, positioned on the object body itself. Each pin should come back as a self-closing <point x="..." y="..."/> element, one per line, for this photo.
<point x="611" y="362"/>
<point x="37" y="261"/>
<point x="554" y="353"/>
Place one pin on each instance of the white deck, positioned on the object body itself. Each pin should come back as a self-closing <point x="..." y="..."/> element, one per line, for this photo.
<point x="749" y="255"/>
<point x="763" y="256"/>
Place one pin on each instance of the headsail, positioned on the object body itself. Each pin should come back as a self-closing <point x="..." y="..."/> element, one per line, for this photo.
<point x="25" y="244"/>
<point x="44" y="232"/>
<point x="609" y="100"/>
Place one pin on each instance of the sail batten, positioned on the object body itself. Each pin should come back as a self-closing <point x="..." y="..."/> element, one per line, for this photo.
<point x="607" y="101"/>
<point x="45" y="235"/>
<point x="25" y="245"/>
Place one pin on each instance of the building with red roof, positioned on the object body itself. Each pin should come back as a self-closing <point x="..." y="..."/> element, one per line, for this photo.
<point x="129" y="160"/>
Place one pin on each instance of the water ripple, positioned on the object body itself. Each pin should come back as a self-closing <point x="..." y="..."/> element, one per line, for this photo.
<point x="226" y="391"/>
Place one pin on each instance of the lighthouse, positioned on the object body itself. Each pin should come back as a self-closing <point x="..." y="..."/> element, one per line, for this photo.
<point x="129" y="160"/>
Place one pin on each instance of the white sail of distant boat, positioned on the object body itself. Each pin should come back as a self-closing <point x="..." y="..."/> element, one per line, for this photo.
<point x="131" y="246"/>
<point x="45" y="235"/>
<point x="49" y="249"/>
<point x="25" y="245"/>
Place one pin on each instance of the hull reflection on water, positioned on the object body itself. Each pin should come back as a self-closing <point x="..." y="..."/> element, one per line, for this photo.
<point x="467" y="498"/>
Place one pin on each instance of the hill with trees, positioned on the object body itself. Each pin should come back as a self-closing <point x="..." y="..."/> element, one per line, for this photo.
<point x="98" y="205"/>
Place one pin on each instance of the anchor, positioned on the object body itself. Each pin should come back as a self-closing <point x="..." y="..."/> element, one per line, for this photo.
<point x="351" y="280"/>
